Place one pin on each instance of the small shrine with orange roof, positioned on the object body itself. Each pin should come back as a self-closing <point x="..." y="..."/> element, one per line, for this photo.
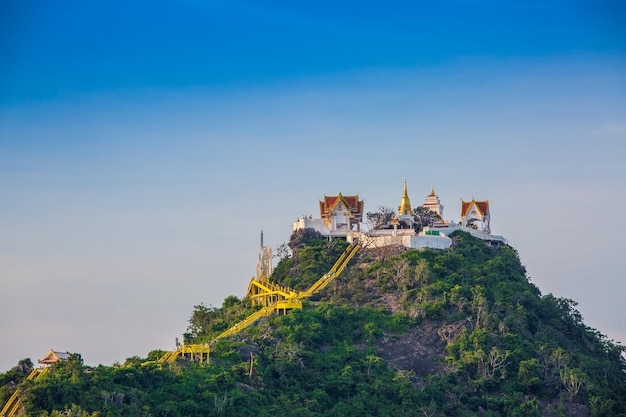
<point x="53" y="357"/>
<point x="475" y="214"/>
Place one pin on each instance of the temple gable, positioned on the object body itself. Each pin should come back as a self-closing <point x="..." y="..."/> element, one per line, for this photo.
<point x="475" y="214"/>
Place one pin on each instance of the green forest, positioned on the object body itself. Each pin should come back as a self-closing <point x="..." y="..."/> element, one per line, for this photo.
<point x="455" y="332"/>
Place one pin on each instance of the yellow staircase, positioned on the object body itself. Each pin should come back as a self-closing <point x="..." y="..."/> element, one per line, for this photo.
<point x="280" y="300"/>
<point x="274" y="298"/>
<point x="263" y="292"/>
<point x="12" y="406"/>
<point x="197" y="352"/>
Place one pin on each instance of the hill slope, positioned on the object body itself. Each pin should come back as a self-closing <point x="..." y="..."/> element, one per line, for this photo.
<point x="459" y="332"/>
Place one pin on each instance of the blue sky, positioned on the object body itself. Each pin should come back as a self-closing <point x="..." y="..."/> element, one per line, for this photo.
<point x="144" y="147"/>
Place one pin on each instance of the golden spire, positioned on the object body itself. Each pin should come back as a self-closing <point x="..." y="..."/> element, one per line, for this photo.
<point x="432" y="192"/>
<point x="405" y="205"/>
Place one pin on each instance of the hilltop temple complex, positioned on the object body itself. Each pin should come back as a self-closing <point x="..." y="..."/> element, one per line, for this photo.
<point x="342" y="216"/>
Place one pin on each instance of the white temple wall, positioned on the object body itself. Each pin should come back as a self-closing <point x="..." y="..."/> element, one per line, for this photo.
<point x="430" y="241"/>
<point x="316" y="224"/>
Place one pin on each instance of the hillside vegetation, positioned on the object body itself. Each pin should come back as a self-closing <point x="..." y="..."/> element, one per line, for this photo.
<point x="457" y="332"/>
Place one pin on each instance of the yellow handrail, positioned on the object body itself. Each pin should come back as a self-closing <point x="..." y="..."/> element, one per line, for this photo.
<point x="265" y="311"/>
<point x="13" y="405"/>
<point x="334" y="272"/>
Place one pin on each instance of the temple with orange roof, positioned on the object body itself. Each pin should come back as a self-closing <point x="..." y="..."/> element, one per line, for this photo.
<point x="339" y="215"/>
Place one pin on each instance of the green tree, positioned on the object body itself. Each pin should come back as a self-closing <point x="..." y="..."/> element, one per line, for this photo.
<point x="424" y="217"/>
<point x="380" y="219"/>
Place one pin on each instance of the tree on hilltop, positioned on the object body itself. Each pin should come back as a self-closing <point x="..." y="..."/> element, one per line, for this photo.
<point x="378" y="219"/>
<point x="424" y="216"/>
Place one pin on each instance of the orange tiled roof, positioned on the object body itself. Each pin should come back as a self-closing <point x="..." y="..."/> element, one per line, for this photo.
<point x="53" y="357"/>
<point x="483" y="207"/>
<point x="354" y="205"/>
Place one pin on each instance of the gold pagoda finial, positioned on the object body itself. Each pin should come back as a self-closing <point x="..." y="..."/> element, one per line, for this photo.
<point x="405" y="204"/>
<point x="432" y="191"/>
